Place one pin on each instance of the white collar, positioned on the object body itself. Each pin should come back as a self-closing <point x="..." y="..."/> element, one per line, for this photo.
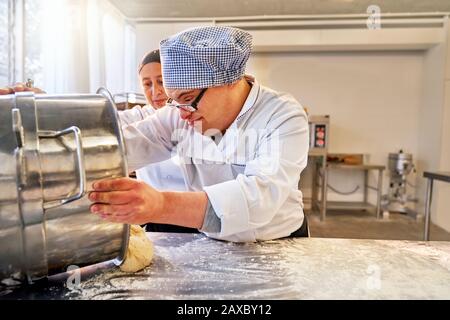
<point x="251" y="98"/>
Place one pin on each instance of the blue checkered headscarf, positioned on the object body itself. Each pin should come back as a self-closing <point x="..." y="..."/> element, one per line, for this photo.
<point x="204" y="57"/>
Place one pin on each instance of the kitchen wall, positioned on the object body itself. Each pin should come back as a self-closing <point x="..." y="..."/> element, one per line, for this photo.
<point x="148" y="35"/>
<point x="378" y="101"/>
<point x="373" y="100"/>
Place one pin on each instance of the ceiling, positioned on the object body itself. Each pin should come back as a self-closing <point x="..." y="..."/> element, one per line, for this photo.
<point x="136" y="9"/>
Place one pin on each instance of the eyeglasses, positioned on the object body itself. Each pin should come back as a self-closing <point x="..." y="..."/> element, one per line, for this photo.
<point x="189" y="107"/>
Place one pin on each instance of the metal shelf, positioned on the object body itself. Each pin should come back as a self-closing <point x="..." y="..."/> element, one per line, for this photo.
<point x="322" y="205"/>
<point x="349" y="205"/>
<point x="317" y="152"/>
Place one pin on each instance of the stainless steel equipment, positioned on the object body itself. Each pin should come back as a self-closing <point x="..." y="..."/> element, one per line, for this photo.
<point x="319" y="130"/>
<point x="319" y="133"/>
<point x="51" y="149"/>
<point x="442" y="176"/>
<point x="128" y="100"/>
<point x="400" y="166"/>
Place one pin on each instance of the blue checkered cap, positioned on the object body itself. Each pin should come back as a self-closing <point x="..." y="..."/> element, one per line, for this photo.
<point x="204" y="57"/>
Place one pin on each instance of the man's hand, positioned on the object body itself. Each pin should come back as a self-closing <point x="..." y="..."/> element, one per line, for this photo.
<point x="19" y="87"/>
<point x="126" y="200"/>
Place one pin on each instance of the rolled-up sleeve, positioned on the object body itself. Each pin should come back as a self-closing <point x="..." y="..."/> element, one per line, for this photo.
<point x="254" y="198"/>
<point x="211" y="222"/>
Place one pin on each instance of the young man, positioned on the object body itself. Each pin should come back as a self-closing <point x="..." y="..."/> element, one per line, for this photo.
<point x="242" y="146"/>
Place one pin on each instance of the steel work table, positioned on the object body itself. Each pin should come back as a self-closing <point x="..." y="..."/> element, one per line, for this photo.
<point x="192" y="266"/>
<point x="431" y="176"/>
<point x="325" y="205"/>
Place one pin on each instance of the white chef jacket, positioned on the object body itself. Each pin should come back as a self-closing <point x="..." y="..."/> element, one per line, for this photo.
<point x="164" y="175"/>
<point x="250" y="177"/>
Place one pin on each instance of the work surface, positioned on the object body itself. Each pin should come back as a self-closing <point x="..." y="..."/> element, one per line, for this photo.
<point x="191" y="266"/>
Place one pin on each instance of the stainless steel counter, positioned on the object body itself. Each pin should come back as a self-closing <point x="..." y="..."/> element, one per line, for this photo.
<point x="431" y="176"/>
<point x="191" y="266"/>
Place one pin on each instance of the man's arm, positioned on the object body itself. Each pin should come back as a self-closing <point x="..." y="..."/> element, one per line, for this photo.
<point x="125" y="200"/>
<point x="150" y="140"/>
<point x="184" y="208"/>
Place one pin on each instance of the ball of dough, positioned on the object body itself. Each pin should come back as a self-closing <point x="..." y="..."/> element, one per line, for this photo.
<point x="140" y="250"/>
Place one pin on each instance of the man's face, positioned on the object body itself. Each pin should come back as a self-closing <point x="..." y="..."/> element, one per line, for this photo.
<point x="211" y="109"/>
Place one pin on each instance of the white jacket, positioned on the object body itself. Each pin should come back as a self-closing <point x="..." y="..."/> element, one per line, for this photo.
<point x="164" y="175"/>
<point x="251" y="176"/>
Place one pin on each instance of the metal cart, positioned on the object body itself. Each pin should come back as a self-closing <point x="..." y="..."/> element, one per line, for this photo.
<point x="323" y="205"/>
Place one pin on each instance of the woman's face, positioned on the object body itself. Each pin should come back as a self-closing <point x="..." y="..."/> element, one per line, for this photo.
<point x="152" y="84"/>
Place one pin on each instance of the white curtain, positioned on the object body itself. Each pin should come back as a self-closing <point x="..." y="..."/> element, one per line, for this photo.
<point x="87" y="44"/>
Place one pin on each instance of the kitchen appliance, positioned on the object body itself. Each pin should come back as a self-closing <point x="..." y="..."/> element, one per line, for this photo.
<point x="128" y="100"/>
<point x="319" y="126"/>
<point x="397" y="200"/>
<point x="52" y="147"/>
<point x="319" y="133"/>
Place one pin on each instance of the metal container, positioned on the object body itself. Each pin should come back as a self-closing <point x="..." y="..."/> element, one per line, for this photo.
<point x="52" y="147"/>
<point x="400" y="163"/>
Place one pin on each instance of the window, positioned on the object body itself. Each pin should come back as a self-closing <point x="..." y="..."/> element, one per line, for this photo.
<point x="66" y="46"/>
<point x="33" y="48"/>
<point x="20" y="47"/>
<point x="4" y="52"/>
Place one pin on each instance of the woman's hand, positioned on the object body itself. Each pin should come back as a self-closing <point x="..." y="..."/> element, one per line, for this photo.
<point x="6" y="90"/>
<point x="19" y="87"/>
<point x="126" y="200"/>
